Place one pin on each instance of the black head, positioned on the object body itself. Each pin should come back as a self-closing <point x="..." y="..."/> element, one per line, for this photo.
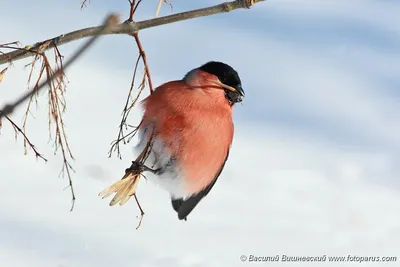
<point x="226" y="75"/>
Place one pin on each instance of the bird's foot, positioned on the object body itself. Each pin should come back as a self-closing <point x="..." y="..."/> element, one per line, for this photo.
<point x="248" y="3"/>
<point x="138" y="167"/>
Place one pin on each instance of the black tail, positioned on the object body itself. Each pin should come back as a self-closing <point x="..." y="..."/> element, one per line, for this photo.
<point x="185" y="207"/>
<point x="176" y="204"/>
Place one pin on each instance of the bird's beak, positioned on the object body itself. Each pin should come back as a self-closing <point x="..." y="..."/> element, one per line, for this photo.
<point x="239" y="90"/>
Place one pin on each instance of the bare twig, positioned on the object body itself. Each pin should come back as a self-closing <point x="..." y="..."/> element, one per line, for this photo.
<point x="84" y="3"/>
<point x="146" y="66"/>
<point x="141" y="212"/>
<point x="121" y="137"/>
<point x="133" y="8"/>
<point x="17" y="130"/>
<point x="123" y="124"/>
<point x="125" y="113"/>
<point x="10" y="43"/>
<point x="129" y="27"/>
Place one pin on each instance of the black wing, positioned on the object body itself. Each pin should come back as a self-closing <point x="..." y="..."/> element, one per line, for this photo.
<point x="184" y="207"/>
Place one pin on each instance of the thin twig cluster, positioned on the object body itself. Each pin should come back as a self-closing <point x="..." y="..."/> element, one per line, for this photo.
<point x="56" y="86"/>
<point x="130" y="100"/>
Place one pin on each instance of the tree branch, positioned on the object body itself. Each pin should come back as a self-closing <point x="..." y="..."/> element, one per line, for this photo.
<point x="144" y="58"/>
<point x="127" y="28"/>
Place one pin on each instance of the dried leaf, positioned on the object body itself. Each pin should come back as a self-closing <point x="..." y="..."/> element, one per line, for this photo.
<point x="2" y="73"/>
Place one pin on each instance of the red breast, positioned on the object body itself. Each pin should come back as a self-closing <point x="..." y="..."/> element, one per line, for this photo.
<point x="194" y="119"/>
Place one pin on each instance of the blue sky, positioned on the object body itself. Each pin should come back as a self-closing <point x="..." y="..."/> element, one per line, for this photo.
<point x="318" y="132"/>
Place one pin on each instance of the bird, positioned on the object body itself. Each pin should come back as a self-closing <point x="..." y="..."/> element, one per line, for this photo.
<point x="185" y="136"/>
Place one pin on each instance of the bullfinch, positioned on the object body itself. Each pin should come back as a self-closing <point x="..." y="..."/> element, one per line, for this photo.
<point x="185" y="136"/>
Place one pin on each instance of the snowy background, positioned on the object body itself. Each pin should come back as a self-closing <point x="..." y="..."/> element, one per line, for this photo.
<point x="314" y="165"/>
